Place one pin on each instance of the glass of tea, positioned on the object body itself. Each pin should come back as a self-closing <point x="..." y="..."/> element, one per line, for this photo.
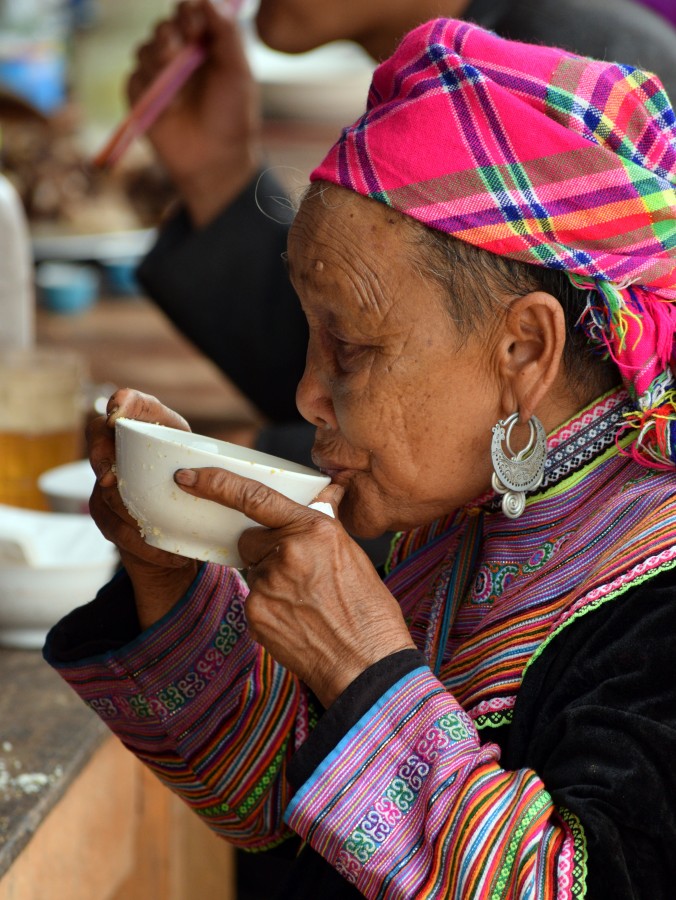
<point x="42" y="412"/>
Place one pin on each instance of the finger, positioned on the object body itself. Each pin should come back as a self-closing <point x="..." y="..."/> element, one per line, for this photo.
<point x="129" y="404"/>
<point x="168" y="42"/>
<point x="101" y="451"/>
<point x="257" y="501"/>
<point x="258" y="544"/>
<point x="258" y="568"/>
<point x="153" y="55"/>
<point x="192" y="21"/>
<point x="124" y="531"/>
<point x="113" y="520"/>
<point x="328" y="500"/>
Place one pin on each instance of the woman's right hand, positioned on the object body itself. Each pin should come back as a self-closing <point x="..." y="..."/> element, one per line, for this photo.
<point x="208" y="137"/>
<point x="159" y="578"/>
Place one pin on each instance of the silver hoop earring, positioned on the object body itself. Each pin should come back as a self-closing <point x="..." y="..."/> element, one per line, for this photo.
<point x="519" y="472"/>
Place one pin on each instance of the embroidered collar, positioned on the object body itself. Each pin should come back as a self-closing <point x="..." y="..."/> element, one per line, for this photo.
<point x="584" y="438"/>
<point x="599" y="524"/>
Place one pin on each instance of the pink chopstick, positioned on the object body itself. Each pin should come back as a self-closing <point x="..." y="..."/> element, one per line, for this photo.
<point x="153" y="101"/>
<point x="150" y="104"/>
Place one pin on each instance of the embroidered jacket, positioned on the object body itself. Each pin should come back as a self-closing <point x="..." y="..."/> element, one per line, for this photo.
<point x="489" y="764"/>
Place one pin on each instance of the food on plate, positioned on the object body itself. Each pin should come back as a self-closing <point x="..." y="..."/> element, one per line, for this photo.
<point x="46" y="162"/>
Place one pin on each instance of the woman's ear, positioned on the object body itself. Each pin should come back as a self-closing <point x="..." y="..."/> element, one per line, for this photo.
<point x="531" y="349"/>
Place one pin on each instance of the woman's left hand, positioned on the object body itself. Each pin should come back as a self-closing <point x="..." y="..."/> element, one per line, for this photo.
<point x="316" y="603"/>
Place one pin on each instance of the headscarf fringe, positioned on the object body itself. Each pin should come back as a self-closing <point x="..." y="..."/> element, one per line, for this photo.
<point x="618" y="316"/>
<point x="619" y="319"/>
<point x="655" y="428"/>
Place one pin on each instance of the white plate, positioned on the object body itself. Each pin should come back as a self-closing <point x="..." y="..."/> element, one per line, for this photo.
<point x="100" y="247"/>
<point x="68" y="487"/>
<point x="327" y="84"/>
<point x="66" y="561"/>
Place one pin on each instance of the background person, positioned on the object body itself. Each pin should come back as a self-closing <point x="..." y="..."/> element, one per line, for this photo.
<point x="496" y="718"/>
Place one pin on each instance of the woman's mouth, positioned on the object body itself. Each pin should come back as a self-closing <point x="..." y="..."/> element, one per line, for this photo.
<point x="333" y="472"/>
<point x="331" y="468"/>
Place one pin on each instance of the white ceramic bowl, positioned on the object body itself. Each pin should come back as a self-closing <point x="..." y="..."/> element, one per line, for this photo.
<point x="148" y="455"/>
<point x="66" y="561"/>
<point x="328" y="84"/>
<point x="68" y="487"/>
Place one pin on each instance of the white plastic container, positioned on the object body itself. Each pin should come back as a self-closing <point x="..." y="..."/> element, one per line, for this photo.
<point x="17" y="294"/>
<point x="68" y="487"/>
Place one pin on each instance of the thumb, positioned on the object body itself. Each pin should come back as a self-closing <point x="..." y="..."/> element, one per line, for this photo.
<point x="328" y="500"/>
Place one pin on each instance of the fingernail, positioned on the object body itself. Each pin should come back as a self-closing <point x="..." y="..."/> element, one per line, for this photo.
<point x="338" y="493"/>
<point x="112" y="414"/>
<point x="185" y="476"/>
<point x="106" y="473"/>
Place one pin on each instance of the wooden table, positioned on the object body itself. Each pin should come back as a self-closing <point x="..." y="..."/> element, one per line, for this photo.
<point x="130" y="343"/>
<point x="80" y="817"/>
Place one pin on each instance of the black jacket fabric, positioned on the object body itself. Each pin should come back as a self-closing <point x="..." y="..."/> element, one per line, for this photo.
<point x="225" y="287"/>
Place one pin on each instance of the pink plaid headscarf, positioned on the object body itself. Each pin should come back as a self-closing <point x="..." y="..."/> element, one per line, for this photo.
<point x="546" y="157"/>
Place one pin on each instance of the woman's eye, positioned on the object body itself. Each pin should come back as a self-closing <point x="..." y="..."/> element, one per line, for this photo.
<point x="348" y="355"/>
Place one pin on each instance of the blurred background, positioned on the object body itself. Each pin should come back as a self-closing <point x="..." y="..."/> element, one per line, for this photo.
<point x="63" y="66"/>
<point x="74" y="235"/>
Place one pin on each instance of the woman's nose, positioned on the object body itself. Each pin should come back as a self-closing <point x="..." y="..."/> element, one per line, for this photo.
<point x="313" y="396"/>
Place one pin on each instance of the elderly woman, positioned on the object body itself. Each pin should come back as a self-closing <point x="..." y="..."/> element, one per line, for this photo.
<point x="485" y="261"/>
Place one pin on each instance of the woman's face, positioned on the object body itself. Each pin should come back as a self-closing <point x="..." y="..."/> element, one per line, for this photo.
<point x="403" y="407"/>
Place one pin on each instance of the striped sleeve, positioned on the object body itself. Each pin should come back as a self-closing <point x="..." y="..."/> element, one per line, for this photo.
<point x="198" y="701"/>
<point x="410" y="804"/>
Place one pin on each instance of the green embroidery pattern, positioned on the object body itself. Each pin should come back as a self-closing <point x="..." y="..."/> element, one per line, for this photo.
<point x="494" y="719"/>
<point x="578" y="887"/>
<point x="595" y="604"/>
<point x="263" y="783"/>
<point x="507" y="870"/>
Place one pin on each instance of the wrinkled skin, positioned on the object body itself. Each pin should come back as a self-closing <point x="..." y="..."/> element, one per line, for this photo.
<point x="403" y="410"/>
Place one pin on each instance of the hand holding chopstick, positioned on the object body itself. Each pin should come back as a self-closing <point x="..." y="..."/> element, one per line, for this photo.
<point x="152" y="103"/>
